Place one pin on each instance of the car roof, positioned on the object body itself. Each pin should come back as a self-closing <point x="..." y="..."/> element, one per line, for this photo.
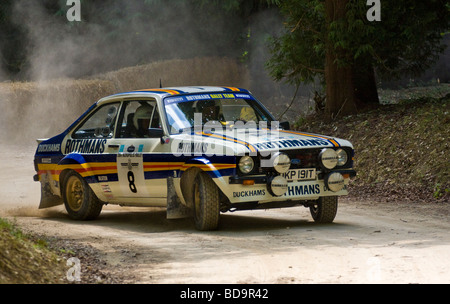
<point x="169" y="91"/>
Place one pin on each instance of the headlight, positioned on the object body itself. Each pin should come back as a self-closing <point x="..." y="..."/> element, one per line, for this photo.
<point x="328" y="158"/>
<point x="246" y="164"/>
<point x="281" y="163"/>
<point x="342" y="157"/>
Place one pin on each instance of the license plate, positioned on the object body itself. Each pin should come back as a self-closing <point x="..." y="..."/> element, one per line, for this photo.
<point x="300" y="174"/>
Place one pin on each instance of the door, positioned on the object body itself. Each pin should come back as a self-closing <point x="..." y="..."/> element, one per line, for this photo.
<point x="138" y="169"/>
<point x="91" y="139"/>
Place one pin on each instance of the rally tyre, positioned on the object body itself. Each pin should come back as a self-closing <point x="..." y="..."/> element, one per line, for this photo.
<point x="325" y="210"/>
<point x="206" y="203"/>
<point x="80" y="201"/>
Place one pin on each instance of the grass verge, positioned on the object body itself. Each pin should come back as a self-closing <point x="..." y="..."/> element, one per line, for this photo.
<point x="24" y="260"/>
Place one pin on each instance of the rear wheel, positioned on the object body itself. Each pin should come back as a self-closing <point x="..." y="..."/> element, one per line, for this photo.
<point x="80" y="201"/>
<point x="325" y="210"/>
<point x="206" y="203"/>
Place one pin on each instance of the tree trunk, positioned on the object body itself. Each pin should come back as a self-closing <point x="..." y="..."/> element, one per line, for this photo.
<point x="341" y="99"/>
<point x="365" y="85"/>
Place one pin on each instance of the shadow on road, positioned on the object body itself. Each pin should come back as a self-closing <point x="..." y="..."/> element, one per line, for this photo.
<point x="153" y="220"/>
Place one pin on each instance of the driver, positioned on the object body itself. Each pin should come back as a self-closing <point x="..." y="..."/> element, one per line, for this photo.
<point x="141" y="120"/>
<point x="247" y="114"/>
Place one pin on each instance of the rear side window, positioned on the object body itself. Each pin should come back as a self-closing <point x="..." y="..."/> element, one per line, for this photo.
<point x="100" y="124"/>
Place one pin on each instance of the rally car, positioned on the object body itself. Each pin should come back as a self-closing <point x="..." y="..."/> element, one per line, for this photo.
<point x="198" y="151"/>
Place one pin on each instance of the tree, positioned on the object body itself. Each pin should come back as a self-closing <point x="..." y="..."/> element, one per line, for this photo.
<point x="338" y="62"/>
<point x="334" y="41"/>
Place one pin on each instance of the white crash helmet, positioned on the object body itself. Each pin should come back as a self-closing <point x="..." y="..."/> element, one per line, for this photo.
<point x="143" y="112"/>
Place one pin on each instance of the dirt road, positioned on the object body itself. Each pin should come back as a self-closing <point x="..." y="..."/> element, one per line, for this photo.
<point x="369" y="242"/>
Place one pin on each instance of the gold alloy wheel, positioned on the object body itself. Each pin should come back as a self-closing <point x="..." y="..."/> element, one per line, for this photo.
<point x="74" y="193"/>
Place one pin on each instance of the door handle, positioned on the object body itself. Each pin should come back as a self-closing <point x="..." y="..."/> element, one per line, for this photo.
<point x="113" y="146"/>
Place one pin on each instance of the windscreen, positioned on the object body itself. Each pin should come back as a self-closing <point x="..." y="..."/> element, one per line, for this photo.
<point x="186" y="112"/>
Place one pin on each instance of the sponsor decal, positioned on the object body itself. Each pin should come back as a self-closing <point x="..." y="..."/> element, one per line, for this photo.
<point x="198" y="97"/>
<point x="85" y="146"/>
<point x="247" y="193"/>
<point x="107" y="192"/>
<point x="195" y="97"/>
<point x="303" y="190"/>
<point x="131" y="148"/>
<point x="49" y="148"/>
<point x="106" y="188"/>
<point x="288" y="143"/>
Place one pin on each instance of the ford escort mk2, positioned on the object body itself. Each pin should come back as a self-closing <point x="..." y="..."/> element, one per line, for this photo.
<point x="196" y="151"/>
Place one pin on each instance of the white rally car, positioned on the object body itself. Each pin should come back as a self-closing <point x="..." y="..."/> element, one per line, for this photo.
<point x="198" y="151"/>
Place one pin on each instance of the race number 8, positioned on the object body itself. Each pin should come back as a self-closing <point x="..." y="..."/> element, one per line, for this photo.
<point x="131" y="181"/>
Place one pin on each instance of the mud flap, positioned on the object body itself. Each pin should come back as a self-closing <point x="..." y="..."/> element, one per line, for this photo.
<point x="48" y="199"/>
<point x="175" y="209"/>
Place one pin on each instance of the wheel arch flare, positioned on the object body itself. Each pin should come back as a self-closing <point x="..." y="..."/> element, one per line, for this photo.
<point x="217" y="169"/>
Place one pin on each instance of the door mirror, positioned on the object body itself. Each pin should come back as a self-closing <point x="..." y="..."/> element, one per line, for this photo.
<point x="155" y="133"/>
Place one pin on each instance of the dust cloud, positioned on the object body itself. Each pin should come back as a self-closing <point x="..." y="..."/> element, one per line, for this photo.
<point x="277" y="96"/>
<point x="127" y="33"/>
<point x="69" y="64"/>
<point x="60" y="53"/>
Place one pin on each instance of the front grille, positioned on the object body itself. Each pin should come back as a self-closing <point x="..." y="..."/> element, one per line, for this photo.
<point x="307" y="158"/>
<point x="300" y="159"/>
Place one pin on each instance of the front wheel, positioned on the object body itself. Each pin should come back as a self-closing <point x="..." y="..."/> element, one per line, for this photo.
<point x="324" y="211"/>
<point x="80" y="201"/>
<point x="206" y="203"/>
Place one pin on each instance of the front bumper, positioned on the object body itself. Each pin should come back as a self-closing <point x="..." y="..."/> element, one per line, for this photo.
<point x="256" y="188"/>
<point x="264" y="179"/>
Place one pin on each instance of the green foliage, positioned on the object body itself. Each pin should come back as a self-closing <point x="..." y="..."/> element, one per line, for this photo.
<point x="439" y="192"/>
<point x="298" y="55"/>
<point x="406" y="41"/>
<point x="11" y="228"/>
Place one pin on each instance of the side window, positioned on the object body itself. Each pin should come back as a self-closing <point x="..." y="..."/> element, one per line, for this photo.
<point x="138" y="117"/>
<point x="100" y="124"/>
